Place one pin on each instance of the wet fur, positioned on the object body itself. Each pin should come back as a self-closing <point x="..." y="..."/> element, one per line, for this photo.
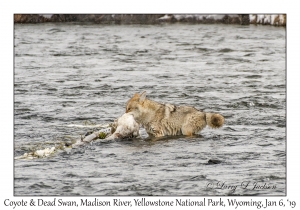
<point x="167" y="119"/>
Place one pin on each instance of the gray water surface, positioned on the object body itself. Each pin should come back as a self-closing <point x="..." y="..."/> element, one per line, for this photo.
<point x="85" y="73"/>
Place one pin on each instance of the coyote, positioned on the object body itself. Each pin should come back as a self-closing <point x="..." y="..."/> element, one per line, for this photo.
<point x="169" y="120"/>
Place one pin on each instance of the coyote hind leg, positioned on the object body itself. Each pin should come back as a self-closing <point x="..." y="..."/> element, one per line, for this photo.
<point x="193" y="124"/>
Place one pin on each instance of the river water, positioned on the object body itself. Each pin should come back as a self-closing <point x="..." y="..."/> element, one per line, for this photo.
<point x="83" y="74"/>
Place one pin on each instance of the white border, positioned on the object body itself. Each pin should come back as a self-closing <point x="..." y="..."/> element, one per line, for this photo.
<point x="8" y="8"/>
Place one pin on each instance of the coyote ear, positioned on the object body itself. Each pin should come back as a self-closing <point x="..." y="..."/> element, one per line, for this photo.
<point x="143" y="96"/>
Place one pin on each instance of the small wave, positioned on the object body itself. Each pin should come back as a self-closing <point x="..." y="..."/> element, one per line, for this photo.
<point x="227" y="128"/>
<point x="239" y="60"/>
<point x="280" y="154"/>
<point x="81" y="87"/>
<point x="266" y="145"/>
<point x="56" y="30"/>
<point x="253" y="77"/>
<point x="23" y="110"/>
<point x="224" y="50"/>
<point x="70" y="175"/>
<point x="40" y="185"/>
<point x="240" y="37"/>
<point x="270" y="178"/>
<point x="267" y="105"/>
<point x="210" y="63"/>
<point x="28" y="117"/>
<point x="61" y="54"/>
<point x="202" y="49"/>
<point x="52" y="89"/>
<point x="195" y="178"/>
<point x="141" y="51"/>
<point x="183" y="44"/>
<point x="249" y="55"/>
<point x="87" y="126"/>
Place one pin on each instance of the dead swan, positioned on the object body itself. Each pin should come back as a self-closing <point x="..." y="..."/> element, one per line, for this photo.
<point x="125" y="127"/>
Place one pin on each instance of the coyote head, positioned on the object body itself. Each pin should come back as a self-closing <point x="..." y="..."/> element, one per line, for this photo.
<point x="135" y="105"/>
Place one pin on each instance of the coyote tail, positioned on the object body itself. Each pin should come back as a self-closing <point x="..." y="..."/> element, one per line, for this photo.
<point x="214" y="120"/>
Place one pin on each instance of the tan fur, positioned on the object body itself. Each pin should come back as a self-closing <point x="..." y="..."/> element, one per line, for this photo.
<point x="167" y="119"/>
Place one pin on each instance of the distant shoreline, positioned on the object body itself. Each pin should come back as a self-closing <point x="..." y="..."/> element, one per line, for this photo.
<point x="241" y="19"/>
